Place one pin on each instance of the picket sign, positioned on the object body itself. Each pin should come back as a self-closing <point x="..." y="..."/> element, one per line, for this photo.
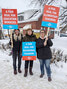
<point x="29" y="50"/>
<point x="50" y="17"/>
<point x="9" y="19"/>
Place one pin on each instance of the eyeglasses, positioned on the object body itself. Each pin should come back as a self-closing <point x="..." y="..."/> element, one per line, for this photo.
<point x="41" y="32"/>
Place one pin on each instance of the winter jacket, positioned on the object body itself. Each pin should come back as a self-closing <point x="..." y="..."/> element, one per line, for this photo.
<point x="43" y="52"/>
<point x="17" y="42"/>
<point x="29" y="38"/>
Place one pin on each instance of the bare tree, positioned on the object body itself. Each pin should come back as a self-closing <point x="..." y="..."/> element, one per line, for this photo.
<point x="42" y="2"/>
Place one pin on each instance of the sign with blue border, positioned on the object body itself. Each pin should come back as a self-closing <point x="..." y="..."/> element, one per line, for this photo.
<point x="28" y="48"/>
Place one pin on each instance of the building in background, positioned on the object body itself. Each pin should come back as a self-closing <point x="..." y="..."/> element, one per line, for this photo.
<point x="32" y="19"/>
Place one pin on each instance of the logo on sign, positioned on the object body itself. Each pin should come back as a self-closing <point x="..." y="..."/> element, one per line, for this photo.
<point x="29" y="58"/>
<point x="10" y="26"/>
<point x="49" y="24"/>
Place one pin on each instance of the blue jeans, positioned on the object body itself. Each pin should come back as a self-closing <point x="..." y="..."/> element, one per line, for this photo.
<point x="47" y="66"/>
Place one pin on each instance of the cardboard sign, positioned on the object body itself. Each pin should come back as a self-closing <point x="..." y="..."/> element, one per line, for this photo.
<point x="29" y="50"/>
<point x="50" y="16"/>
<point x="9" y="18"/>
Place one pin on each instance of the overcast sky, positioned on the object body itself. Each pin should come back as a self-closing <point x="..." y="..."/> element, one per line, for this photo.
<point x="20" y="5"/>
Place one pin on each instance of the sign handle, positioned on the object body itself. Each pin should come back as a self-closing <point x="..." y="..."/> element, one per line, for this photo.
<point x="47" y="34"/>
<point x="47" y="31"/>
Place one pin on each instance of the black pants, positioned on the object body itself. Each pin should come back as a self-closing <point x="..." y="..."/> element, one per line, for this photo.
<point x="28" y="63"/>
<point x="15" y="55"/>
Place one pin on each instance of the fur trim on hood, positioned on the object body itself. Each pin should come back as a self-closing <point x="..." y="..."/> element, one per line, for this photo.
<point x="17" y="37"/>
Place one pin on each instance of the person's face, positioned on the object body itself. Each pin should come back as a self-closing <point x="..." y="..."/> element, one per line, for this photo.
<point x="16" y="32"/>
<point x="29" y="32"/>
<point x="42" y="34"/>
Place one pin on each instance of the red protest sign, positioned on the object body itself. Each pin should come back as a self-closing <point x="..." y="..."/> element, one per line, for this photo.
<point x="9" y="16"/>
<point x="50" y="14"/>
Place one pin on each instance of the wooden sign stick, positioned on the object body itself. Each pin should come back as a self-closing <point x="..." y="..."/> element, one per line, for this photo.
<point x="47" y="32"/>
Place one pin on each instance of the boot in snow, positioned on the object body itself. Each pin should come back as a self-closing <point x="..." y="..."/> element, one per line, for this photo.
<point x="30" y="71"/>
<point x="26" y="71"/>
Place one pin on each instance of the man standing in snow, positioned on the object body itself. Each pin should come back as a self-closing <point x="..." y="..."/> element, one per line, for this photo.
<point x="16" y="42"/>
<point x="44" y="54"/>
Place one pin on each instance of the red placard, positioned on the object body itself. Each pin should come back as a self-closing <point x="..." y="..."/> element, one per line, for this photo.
<point x="9" y="16"/>
<point x="29" y="57"/>
<point x="50" y="14"/>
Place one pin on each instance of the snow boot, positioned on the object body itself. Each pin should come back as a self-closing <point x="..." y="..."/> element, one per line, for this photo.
<point x="19" y="71"/>
<point x="26" y="72"/>
<point x="41" y="76"/>
<point x="15" y="72"/>
<point x="49" y="79"/>
<point x="30" y="71"/>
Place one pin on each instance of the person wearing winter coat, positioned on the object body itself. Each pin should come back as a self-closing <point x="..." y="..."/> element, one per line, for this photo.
<point x="29" y="63"/>
<point x="16" y="42"/>
<point x="44" y="54"/>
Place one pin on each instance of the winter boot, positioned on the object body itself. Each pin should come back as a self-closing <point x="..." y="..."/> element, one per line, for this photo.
<point x="30" y="71"/>
<point x="41" y="76"/>
<point x="19" y="71"/>
<point x="15" y="72"/>
<point x="26" y="72"/>
<point x="49" y="79"/>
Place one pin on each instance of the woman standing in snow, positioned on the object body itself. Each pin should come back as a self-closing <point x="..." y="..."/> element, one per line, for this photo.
<point x="29" y="38"/>
<point x="44" y="54"/>
<point x="16" y="41"/>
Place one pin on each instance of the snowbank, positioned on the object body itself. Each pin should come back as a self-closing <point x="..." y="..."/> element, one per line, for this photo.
<point x="60" y="43"/>
<point x="4" y="41"/>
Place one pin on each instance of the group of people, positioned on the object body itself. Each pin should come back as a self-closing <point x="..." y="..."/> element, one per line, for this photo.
<point x="43" y="52"/>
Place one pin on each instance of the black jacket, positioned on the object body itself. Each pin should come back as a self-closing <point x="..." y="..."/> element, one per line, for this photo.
<point x="44" y="52"/>
<point x="17" y="43"/>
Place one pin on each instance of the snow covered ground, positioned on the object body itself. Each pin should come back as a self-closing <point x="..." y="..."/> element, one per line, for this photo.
<point x="60" y="43"/>
<point x="10" y="81"/>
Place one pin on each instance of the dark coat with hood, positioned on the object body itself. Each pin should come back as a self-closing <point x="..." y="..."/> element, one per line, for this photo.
<point x="17" y="42"/>
<point x="44" y="52"/>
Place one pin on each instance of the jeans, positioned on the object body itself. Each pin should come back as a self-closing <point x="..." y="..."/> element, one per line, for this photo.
<point x="15" y="55"/>
<point x="45" y="62"/>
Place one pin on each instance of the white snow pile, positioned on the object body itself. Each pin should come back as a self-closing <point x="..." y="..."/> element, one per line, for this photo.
<point x="6" y="41"/>
<point x="60" y="43"/>
<point x="4" y="44"/>
<point x="10" y="81"/>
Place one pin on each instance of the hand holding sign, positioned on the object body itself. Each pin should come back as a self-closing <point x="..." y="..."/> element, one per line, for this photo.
<point x="45" y="43"/>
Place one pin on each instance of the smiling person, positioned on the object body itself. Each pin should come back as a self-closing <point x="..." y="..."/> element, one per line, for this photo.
<point x="16" y="42"/>
<point x="44" y="54"/>
<point x="29" y="63"/>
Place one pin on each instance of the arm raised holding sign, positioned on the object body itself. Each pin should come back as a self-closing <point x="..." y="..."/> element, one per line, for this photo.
<point x="44" y="54"/>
